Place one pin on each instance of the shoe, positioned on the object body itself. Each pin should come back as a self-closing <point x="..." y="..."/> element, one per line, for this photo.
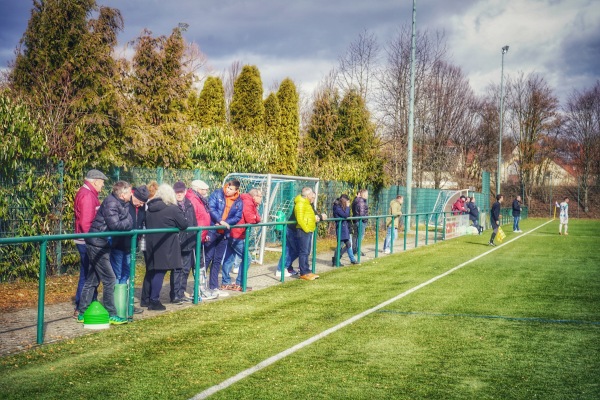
<point x="566" y="234"/>
<point x="80" y="317"/>
<point x="137" y="310"/>
<point x="236" y="270"/>
<point x="308" y="277"/>
<point x="362" y="254"/>
<point x="333" y="262"/>
<point x="560" y="233"/>
<point x="187" y="299"/>
<point x="492" y="244"/>
<point x="387" y="251"/>
<point x="75" y="314"/>
<point x="287" y="273"/>
<point x="156" y="306"/>
<point x="177" y="301"/>
<point x="116" y="320"/>
<point x="293" y="272"/>
<point x="354" y="262"/>
<point x="144" y="303"/>
<point x="219" y="293"/>
<point x="208" y="295"/>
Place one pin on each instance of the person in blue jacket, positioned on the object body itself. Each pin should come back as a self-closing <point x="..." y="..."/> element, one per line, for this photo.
<point x="225" y="208"/>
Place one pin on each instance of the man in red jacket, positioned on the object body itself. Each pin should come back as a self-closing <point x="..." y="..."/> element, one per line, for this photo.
<point x="234" y="255"/>
<point x="85" y="206"/>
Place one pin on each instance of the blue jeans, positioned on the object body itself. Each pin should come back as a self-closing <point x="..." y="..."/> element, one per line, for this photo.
<point x="234" y="256"/>
<point x="303" y="240"/>
<point x="388" y="237"/>
<point x="291" y="249"/>
<point x="347" y="249"/>
<point x="120" y="262"/>
<point x="215" y="250"/>
<point x="516" y="223"/>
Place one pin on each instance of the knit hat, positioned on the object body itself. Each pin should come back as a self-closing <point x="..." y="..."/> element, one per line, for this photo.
<point x="199" y="185"/>
<point x="95" y="174"/>
<point x="141" y="193"/>
<point x="179" y="187"/>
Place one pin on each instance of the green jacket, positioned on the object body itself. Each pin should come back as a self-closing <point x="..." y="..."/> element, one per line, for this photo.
<point x="305" y="214"/>
<point x="395" y="210"/>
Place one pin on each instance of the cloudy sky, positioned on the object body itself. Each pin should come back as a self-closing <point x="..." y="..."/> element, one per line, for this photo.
<point x="303" y="39"/>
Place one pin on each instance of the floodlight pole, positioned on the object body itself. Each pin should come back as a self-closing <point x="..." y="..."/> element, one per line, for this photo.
<point x="498" y="177"/>
<point x="411" y="118"/>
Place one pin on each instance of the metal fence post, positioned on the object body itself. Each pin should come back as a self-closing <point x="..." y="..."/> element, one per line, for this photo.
<point x="41" y="292"/>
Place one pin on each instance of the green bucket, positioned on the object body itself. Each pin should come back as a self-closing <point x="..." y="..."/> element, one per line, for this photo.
<point x="121" y="291"/>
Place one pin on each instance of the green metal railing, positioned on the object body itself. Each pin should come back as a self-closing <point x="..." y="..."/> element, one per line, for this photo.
<point x="43" y="240"/>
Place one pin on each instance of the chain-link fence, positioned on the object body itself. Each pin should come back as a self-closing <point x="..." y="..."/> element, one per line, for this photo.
<point x="39" y="201"/>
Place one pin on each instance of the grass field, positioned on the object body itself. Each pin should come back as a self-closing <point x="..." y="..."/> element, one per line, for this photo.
<point x="520" y="322"/>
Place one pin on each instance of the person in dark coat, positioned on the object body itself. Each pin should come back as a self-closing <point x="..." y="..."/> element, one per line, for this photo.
<point x="474" y="214"/>
<point x="120" y="251"/>
<point x="516" y="213"/>
<point x="163" y="249"/>
<point x="113" y="215"/>
<point x="341" y="209"/>
<point x="495" y="217"/>
<point x="187" y="240"/>
<point x="360" y="208"/>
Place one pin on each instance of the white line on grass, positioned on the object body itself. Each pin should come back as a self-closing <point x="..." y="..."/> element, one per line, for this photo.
<point x="271" y="360"/>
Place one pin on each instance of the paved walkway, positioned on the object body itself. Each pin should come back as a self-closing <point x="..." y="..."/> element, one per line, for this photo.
<point x="18" y="330"/>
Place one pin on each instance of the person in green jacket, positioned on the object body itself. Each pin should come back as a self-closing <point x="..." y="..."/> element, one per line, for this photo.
<point x="306" y="223"/>
<point x="395" y="210"/>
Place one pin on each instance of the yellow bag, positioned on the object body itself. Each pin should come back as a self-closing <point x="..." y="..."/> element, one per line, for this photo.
<point x="501" y="235"/>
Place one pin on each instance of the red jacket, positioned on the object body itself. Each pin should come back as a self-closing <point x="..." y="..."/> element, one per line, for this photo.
<point x="85" y="207"/>
<point x="459" y="207"/>
<point x="200" y="209"/>
<point x="250" y="215"/>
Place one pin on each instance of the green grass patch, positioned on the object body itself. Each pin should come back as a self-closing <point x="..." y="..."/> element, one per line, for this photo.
<point x="491" y="329"/>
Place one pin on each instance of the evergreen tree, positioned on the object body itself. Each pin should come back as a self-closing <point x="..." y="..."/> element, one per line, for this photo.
<point x="289" y="131"/>
<point x="210" y="107"/>
<point x="324" y="122"/>
<point x="341" y="142"/>
<point x="157" y="127"/>
<point x="65" y="72"/>
<point x="356" y="132"/>
<point x="247" y="109"/>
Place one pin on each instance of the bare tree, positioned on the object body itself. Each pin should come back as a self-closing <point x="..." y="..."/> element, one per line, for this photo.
<point x="195" y="62"/>
<point x="228" y="80"/>
<point x="532" y="120"/>
<point x="393" y="94"/>
<point x="448" y="101"/>
<point x="356" y="68"/>
<point x="582" y="128"/>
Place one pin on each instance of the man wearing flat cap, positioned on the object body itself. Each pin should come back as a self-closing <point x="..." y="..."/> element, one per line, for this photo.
<point x="120" y="251"/>
<point x="85" y="207"/>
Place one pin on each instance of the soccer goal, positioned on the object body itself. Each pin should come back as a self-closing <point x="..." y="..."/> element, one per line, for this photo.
<point x="279" y="192"/>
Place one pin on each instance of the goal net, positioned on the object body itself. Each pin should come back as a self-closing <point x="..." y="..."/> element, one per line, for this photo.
<point x="278" y="192"/>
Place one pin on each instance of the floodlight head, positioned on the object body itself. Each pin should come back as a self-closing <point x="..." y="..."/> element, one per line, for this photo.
<point x="504" y="49"/>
